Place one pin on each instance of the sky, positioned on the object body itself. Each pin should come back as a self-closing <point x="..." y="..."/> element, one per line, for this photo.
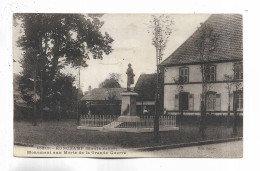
<point x="132" y="44"/>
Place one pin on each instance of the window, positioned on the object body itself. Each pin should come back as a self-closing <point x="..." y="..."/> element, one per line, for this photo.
<point x="211" y="101"/>
<point x="211" y="73"/>
<point x="239" y="100"/>
<point x="238" y="69"/>
<point x="184" y="75"/>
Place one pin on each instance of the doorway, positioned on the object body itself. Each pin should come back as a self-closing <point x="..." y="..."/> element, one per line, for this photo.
<point x="183" y="101"/>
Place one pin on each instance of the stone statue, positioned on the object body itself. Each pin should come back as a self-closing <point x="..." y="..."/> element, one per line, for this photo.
<point x="130" y="76"/>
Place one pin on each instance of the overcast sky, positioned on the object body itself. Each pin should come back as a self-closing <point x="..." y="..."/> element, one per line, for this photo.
<point x="132" y="44"/>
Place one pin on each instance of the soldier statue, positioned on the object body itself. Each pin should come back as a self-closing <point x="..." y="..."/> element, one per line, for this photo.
<point x="130" y="77"/>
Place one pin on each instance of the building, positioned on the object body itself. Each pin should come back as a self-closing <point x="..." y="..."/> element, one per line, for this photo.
<point x="185" y="63"/>
<point x="145" y="87"/>
<point x="108" y="98"/>
<point x="102" y="101"/>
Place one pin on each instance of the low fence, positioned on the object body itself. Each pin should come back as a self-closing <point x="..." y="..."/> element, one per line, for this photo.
<point x="97" y="120"/>
<point x="148" y="122"/>
<point x="144" y="122"/>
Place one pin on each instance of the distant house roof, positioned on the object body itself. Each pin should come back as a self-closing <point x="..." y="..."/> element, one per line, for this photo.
<point x="229" y="45"/>
<point x="145" y="87"/>
<point x="100" y="94"/>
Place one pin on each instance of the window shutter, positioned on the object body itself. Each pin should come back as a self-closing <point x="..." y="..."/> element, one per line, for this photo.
<point x="218" y="102"/>
<point x="191" y="102"/>
<point x="176" y="102"/>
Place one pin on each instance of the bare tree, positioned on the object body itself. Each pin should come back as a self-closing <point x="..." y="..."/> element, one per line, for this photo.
<point x="179" y="89"/>
<point x="237" y="88"/>
<point x="229" y="84"/>
<point x="236" y="85"/>
<point x="206" y="43"/>
<point x="161" y="29"/>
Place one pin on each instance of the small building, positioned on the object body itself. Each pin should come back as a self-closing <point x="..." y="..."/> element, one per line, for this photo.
<point x="184" y="63"/>
<point x="145" y="87"/>
<point x="102" y="101"/>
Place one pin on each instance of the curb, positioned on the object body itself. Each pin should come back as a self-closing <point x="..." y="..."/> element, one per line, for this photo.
<point x="162" y="147"/>
<point x="26" y="145"/>
<point x="198" y="143"/>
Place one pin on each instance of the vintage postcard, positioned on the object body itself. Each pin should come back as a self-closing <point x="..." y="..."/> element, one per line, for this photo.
<point x="128" y="85"/>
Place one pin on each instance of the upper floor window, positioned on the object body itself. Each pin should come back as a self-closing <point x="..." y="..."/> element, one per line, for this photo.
<point x="211" y="73"/>
<point x="184" y="74"/>
<point x="238" y="71"/>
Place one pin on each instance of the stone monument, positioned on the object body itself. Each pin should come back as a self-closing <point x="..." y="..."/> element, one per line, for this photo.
<point x="128" y="106"/>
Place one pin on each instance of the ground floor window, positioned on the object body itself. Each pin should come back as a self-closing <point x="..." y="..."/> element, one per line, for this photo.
<point x="238" y="100"/>
<point x="211" y="101"/>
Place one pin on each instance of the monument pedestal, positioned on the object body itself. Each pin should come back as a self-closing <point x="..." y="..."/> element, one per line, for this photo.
<point x="128" y="107"/>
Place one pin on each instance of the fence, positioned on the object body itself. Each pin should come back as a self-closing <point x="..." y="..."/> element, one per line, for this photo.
<point x="144" y="122"/>
<point x="97" y="120"/>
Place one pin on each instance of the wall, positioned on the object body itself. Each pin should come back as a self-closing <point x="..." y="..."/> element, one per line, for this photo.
<point x="170" y="90"/>
<point x="195" y="74"/>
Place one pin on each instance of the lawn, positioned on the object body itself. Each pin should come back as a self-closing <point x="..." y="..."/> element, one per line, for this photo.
<point x="65" y="133"/>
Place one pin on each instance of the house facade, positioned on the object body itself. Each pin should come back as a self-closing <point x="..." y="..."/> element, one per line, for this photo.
<point x="225" y="60"/>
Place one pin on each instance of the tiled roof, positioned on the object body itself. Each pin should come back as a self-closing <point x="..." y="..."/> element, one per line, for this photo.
<point x="229" y="44"/>
<point x="146" y="86"/>
<point x="99" y="94"/>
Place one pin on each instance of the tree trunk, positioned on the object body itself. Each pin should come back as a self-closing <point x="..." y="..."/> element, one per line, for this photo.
<point x="34" y="118"/>
<point x="156" y="119"/>
<point x="41" y="101"/>
<point x="228" y="117"/>
<point x="235" y="120"/>
<point x="202" y="120"/>
<point x="156" y="115"/>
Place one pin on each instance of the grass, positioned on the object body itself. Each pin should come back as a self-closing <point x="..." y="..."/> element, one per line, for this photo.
<point x="65" y="133"/>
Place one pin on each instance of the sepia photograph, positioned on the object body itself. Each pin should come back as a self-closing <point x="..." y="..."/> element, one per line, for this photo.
<point x="127" y="85"/>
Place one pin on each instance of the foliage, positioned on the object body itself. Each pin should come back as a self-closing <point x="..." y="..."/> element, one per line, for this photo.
<point x="112" y="81"/>
<point x="180" y="85"/>
<point x="161" y="29"/>
<point x="49" y="43"/>
<point x="205" y="42"/>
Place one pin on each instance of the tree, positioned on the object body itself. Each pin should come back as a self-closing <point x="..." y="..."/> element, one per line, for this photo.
<point x="206" y="43"/>
<point x="161" y="29"/>
<point x="180" y="89"/>
<point x="238" y="90"/>
<point x="229" y="84"/>
<point x="233" y="83"/>
<point x="112" y="81"/>
<point x="51" y="42"/>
